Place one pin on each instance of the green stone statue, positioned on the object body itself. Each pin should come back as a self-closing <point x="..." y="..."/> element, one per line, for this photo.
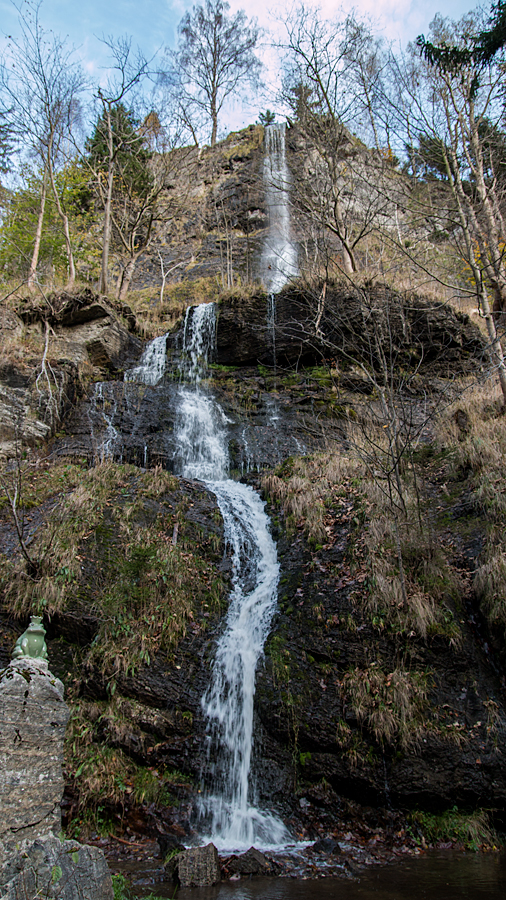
<point x="32" y="641"/>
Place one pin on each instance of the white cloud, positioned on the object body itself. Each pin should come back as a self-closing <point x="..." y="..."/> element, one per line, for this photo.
<point x="397" y="20"/>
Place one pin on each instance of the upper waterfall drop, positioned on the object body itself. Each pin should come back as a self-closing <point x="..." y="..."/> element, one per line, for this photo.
<point x="279" y="256"/>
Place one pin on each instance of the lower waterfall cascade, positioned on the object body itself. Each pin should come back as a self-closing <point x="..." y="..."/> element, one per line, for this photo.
<point x="200" y="431"/>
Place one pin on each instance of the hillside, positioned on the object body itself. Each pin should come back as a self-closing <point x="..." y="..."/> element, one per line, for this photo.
<point x="371" y="423"/>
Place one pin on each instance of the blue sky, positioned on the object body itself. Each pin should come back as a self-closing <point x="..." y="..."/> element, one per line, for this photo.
<point x="154" y="22"/>
<point x="153" y="26"/>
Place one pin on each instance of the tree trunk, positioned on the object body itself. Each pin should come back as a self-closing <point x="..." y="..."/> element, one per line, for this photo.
<point x="214" y="119"/>
<point x="66" y="230"/>
<point x="496" y="348"/>
<point x="38" y="232"/>
<point x="106" y="238"/>
<point x="126" y="278"/>
<point x="459" y="195"/>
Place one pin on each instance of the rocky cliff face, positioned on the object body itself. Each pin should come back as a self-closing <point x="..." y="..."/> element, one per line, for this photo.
<point x="69" y="337"/>
<point x="221" y="220"/>
<point x="435" y="737"/>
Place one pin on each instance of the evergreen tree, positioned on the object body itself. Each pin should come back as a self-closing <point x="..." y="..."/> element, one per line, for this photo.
<point x="131" y="156"/>
<point x="481" y="50"/>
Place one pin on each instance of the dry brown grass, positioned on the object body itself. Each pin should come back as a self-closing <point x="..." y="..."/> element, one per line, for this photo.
<point x="154" y="318"/>
<point x="303" y="488"/>
<point x="113" y="555"/>
<point x="391" y="705"/>
<point x="428" y="580"/>
<point x="302" y="495"/>
<point x="490" y="584"/>
<point x="103" y="777"/>
<point x="474" y="431"/>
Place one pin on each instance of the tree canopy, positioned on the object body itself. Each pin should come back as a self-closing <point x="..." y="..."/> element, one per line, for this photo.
<point x="214" y="58"/>
<point x="481" y="49"/>
<point x="131" y="155"/>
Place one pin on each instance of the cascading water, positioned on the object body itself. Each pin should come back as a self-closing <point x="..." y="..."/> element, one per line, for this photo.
<point x="151" y="364"/>
<point x="102" y="410"/>
<point x="279" y="257"/>
<point x="201" y="433"/>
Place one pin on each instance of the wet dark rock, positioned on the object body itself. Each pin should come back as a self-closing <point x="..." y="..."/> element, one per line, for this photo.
<point x="12" y="377"/>
<point x="435" y="772"/>
<point x="169" y="843"/>
<point x="253" y="862"/>
<point x="426" y="336"/>
<point x="326" y="845"/>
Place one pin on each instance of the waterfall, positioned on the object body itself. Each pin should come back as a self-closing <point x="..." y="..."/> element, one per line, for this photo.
<point x="279" y="256"/>
<point x="201" y="434"/>
<point x="101" y="413"/>
<point x="151" y="364"/>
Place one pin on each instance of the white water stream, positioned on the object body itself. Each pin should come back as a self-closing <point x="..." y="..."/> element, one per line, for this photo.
<point x="102" y="410"/>
<point x="201" y="434"/>
<point x="151" y="364"/>
<point x="279" y="257"/>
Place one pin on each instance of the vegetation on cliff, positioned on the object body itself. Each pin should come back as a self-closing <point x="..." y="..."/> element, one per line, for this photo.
<point x="383" y="462"/>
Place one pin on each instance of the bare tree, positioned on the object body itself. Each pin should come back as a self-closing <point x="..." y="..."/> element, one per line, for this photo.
<point x="331" y="69"/>
<point x="43" y="82"/>
<point x="215" y="58"/>
<point x="451" y="121"/>
<point x="140" y="219"/>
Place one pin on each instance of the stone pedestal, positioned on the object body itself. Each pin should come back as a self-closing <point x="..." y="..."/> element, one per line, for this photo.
<point x="33" y="717"/>
<point x="34" y="862"/>
<point x="50" y="869"/>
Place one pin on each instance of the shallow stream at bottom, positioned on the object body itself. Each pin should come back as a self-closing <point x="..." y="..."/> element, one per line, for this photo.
<point x="436" y="875"/>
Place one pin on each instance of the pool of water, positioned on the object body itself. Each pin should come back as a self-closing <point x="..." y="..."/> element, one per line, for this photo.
<point x="437" y="875"/>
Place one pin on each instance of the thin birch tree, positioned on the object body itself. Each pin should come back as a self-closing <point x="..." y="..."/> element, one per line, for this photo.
<point x="43" y="82"/>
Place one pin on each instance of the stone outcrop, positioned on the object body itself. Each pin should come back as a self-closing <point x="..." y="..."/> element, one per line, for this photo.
<point x="81" y="330"/>
<point x="253" y="862"/>
<point x="31" y="407"/>
<point x="33" y="717"/>
<point x="86" y="328"/>
<point x="346" y="323"/>
<point x="222" y="216"/>
<point x="49" y="868"/>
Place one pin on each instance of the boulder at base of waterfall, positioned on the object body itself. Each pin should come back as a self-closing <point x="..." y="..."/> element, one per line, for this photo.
<point x="251" y="863"/>
<point x="50" y="868"/>
<point x="198" y="867"/>
<point x="326" y="845"/>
